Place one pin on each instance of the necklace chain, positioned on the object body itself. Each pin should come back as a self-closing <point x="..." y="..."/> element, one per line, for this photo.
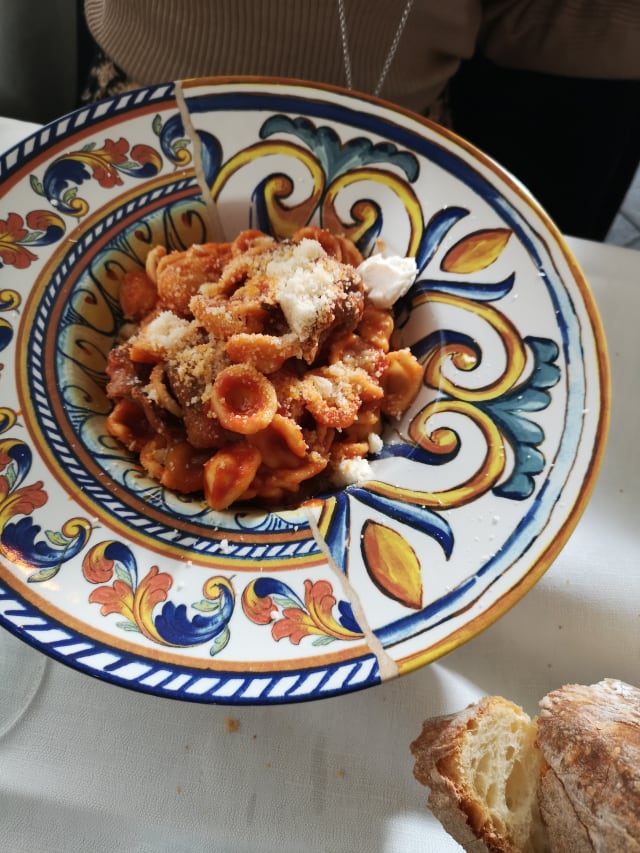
<point x="346" y="53"/>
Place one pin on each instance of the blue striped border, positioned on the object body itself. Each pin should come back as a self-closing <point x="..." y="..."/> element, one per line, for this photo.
<point x="70" y="124"/>
<point x="180" y="682"/>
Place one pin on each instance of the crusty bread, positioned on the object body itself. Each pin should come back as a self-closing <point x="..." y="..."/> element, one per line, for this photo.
<point x="567" y="782"/>
<point x="481" y="767"/>
<point x="590" y="786"/>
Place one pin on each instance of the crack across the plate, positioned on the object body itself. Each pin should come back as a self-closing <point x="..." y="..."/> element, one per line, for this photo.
<point x="216" y="228"/>
<point x="387" y="667"/>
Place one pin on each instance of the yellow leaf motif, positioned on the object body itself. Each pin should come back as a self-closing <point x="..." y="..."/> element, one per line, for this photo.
<point x="476" y="251"/>
<point x="392" y="564"/>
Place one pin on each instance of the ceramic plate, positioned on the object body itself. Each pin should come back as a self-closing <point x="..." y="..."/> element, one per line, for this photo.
<point x="476" y="489"/>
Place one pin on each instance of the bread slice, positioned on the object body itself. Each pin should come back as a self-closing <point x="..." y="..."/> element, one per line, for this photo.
<point x="482" y="769"/>
<point x="566" y="782"/>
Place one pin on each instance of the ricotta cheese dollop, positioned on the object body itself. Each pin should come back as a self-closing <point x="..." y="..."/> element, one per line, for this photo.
<point x="386" y="279"/>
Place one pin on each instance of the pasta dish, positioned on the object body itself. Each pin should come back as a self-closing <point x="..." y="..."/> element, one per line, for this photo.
<point x="259" y="369"/>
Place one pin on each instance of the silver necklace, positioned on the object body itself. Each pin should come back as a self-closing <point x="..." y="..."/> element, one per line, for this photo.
<point x="346" y="53"/>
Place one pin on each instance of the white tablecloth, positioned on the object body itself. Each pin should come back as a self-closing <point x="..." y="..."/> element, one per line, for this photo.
<point x="91" y="766"/>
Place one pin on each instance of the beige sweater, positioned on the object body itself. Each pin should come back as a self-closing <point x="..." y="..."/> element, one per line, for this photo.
<point x="154" y="41"/>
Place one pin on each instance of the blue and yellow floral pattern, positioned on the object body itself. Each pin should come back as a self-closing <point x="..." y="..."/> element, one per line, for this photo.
<point x="138" y="600"/>
<point x="22" y="541"/>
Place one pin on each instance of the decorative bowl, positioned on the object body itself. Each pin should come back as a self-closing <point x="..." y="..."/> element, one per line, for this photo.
<point x="475" y="491"/>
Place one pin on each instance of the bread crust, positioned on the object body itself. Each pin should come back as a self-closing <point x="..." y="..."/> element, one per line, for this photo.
<point x="438" y="744"/>
<point x="589" y="791"/>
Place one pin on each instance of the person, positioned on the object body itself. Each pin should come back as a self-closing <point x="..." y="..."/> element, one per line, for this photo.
<point x="552" y="92"/>
<point x="548" y="88"/>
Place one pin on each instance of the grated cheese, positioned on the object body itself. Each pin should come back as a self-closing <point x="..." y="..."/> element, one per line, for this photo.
<point x="166" y="331"/>
<point x="350" y="471"/>
<point x="303" y="286"/>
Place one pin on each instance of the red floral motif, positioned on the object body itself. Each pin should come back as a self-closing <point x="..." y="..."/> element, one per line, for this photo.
<point x="133" y="601"/>
<point x="39" y="228"/>
<point x="144" y="154"/>
<point x="117" y="598"/>
<point x="103" y="161"/>
<point x="12" y="232"/>
<point x="23" y="501"/>
<point x="5" y="459"/>
<point x="20" y="501"/>
<point x="96" y="567"/>
<point x="295" y="620"/>
<point x="317" y="619"/>
<point x="153" y="589"/>
<point x="260" y="609"/>
<point x="106" y="162"/>
<point x="135" y="605"/>
<point x="116" y="151"/>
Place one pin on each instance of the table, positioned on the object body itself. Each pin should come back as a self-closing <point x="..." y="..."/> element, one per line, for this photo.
<point x="91" y="766"/>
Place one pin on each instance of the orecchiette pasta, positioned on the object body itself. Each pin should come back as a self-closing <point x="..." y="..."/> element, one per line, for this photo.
<point x="255" y="369"/>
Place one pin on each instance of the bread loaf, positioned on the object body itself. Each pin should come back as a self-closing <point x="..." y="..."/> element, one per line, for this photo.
<point x="566" y="782"/>
<point x="590" y="785"/>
